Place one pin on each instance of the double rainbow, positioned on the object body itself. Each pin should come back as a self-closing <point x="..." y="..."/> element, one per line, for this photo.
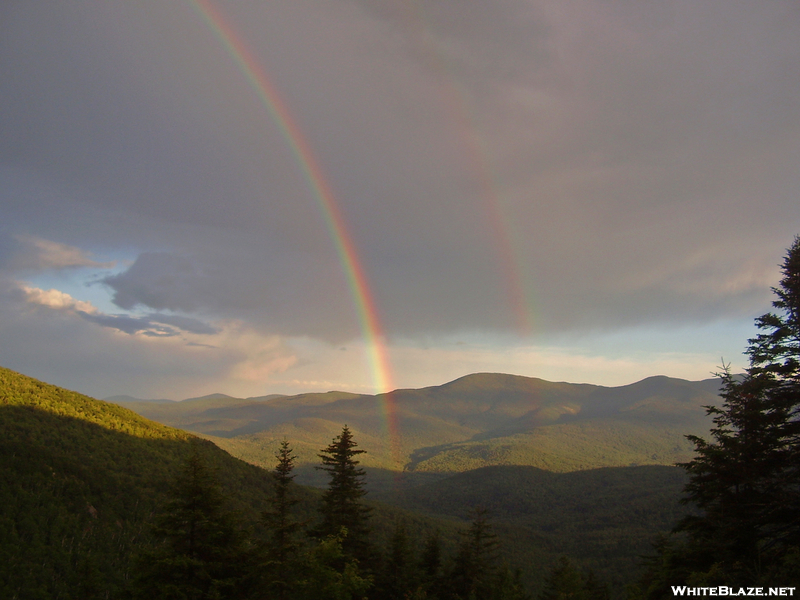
<point x="476" y="158"/>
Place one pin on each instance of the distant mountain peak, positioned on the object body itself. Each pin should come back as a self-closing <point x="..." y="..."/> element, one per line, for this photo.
<point x="122" y="398"/>
<point x="211" y="397"/>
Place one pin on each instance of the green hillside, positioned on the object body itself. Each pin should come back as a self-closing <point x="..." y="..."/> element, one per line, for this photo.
<point x="81" y="481"/>
<point x="475" y="421"/>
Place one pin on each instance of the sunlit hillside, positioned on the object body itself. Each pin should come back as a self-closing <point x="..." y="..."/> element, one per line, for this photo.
<point x="82" y="480"/>
<point x="475" y="421"/>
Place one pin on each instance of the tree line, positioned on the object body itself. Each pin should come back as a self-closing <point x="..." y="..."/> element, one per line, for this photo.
<point x="204" y="551"/>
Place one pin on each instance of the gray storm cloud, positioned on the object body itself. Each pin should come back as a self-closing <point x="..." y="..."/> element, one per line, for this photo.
<point x="152" y="325"/>
<point x="619" y="163"/>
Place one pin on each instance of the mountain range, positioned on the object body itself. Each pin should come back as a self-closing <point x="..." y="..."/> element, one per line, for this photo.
<point x="84" y="478"/>
<point x="483" y="419"/>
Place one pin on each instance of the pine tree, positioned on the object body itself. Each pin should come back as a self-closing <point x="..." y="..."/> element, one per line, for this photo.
<point x="326" y="573"/>
<point x="399" y="577"/>
<point x="430" y="567"/>
<point x="746" y="481"/>
<point x="341" y="503"/>
<point x="476" y="568"/>
<point x="566" y="582"/>
<point x="203" y="553"/>
<point x="281" y="550"/>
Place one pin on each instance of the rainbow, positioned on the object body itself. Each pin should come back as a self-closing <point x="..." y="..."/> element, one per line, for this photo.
<point x="454" y="97"/>
<point x="329" y="208"/>
<point x="495" y="216"/>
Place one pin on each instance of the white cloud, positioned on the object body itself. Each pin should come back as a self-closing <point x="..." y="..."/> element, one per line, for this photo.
<point x="112" y="354"/>
<point x="56" y="300"/>
<point x="151" y="324"/>
<point x="259" y="356"/>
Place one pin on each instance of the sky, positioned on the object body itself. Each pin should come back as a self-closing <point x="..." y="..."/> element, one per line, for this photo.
<point x="251" y="197"/>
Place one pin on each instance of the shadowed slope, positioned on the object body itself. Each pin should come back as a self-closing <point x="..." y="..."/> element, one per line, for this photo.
<point x="604" y="518"/>
<point x="81" y="481"/>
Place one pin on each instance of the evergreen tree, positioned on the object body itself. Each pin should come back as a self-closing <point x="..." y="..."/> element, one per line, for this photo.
<point x="281" y="550"/>
<point x="476" y="567"/>
<point x="398" y="578"/>
<point x="595" y="588"/>
<point x="326" y="573"/>
<point x="202" y="555"/>
<point x="565" y="582"/>
<point x="747" y="480"/>
<point x="509" y="585"/>
<point x="341" y="503"/>
<point x="430" y="567"/>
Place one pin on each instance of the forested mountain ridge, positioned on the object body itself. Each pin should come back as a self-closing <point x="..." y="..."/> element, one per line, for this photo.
<point x="82" y="479"/>
<point x="603" y="518"/>
<point x="478" y="420"/>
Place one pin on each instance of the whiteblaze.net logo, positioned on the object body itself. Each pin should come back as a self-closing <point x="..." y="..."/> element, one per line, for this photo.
<point x="724" y="590"/>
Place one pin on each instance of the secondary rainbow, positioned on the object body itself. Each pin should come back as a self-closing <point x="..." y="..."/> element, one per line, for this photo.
<point x="455" y="99"/>
<point x="323" y="194"/>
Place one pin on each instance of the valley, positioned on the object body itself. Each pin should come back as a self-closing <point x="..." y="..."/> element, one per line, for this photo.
<point x="479" y="420"/>
<point x="555" y="464"/>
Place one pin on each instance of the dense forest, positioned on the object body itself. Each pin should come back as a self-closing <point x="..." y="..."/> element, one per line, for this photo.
<point x="99" y="502"/>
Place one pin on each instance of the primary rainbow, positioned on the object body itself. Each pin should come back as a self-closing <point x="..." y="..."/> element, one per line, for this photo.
<point x="329" y="208"/>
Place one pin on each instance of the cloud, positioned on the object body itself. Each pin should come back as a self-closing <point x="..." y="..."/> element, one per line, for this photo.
<point x="157" y="280"/>
<point x="132" y="355"/>
<point x="131" y="325"/>
<point x="293" y="294"/>
<point x="154" y="324"/>
<point x="38" y="254"/>
<point x="573" y="162"/>
<point x="583" y="167"/>
<point x="56" y="299"/>
<point x="188" y="324"/>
